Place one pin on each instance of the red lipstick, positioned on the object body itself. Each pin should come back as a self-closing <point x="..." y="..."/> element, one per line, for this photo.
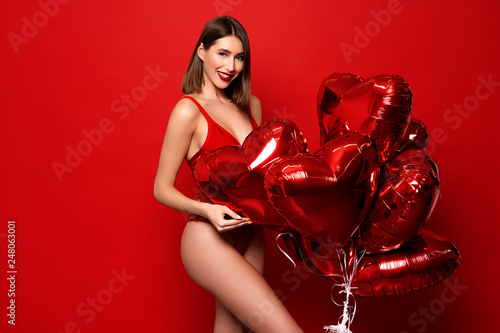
<point x="224" y="76"/>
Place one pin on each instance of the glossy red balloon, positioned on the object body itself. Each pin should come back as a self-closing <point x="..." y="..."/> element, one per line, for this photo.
<point x="371" y="189"/>
<point x="232" y="175"/>
<point x="422" y="263"/>
<point x="270" y="142"/>
<point x="378" y="106"/>
<point x="415" y="137"/>
<point x="326" y="195"/>
<point x="314" y="255"/>
<point x="407" y="194"/>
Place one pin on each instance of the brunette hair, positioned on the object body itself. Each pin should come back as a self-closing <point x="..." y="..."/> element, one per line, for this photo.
<point x="239" y="90"/>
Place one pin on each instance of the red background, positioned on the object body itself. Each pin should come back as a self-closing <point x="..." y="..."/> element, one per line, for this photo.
<point x="74" y="231"/>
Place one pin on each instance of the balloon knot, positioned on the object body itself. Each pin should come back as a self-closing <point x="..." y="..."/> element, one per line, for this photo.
<point x="342" y="328"/>
<point x="349" y="311"/>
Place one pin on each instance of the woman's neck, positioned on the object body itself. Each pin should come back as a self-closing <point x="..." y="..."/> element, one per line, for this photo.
<point x="210" y="92"/>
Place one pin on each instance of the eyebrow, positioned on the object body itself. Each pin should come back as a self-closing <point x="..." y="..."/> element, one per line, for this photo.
<point x="225" y="50"/>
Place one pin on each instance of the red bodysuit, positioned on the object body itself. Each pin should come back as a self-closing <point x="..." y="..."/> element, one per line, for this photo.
<point x="218" y="136"/>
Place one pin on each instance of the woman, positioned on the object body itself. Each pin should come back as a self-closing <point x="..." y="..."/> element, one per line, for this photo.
<point x="221" y="251"/>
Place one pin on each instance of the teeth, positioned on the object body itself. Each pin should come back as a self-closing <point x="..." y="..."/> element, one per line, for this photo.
<point x="224" y="75"/>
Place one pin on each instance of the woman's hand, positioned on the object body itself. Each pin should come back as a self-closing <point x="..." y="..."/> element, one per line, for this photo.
<point x="224" y="219"/>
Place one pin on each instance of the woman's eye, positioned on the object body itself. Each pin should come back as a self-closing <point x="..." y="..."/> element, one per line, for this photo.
<point x="222" y="54"/>
<point x="241" y="58"/>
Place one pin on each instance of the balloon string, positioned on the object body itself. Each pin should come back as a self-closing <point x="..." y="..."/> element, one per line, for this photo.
<point x="349" y="311"/>
<point x="282" y="251"/>
<point x="300" y="255"/>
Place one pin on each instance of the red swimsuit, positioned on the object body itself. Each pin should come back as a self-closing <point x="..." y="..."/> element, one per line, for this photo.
<point x="218" y="136"/>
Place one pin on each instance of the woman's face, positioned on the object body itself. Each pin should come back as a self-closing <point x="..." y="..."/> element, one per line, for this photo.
<point x="223" y="61"/>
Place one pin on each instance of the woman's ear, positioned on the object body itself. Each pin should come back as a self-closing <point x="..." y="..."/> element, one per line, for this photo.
<point x="201" y="52"/>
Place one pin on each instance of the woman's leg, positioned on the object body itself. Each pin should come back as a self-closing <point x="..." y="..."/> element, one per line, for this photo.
<point x="214" y="264"/>
<point x="225" y="321"/>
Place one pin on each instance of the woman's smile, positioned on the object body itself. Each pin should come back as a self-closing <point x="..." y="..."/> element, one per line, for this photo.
<point x="223" y="61"/>
<point x="224" y="76"/>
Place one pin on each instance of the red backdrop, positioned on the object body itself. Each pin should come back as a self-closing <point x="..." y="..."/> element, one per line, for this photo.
<point x="87" y="89"/>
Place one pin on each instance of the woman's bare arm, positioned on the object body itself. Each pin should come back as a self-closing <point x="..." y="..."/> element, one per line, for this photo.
<point x="182" y="125"/>
<point x="256" y="109"/>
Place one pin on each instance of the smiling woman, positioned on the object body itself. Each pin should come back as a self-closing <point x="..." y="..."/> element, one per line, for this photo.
<point x="220" y="59"/>
<point x="221" y="251"/>
<point x="226" y="37"/>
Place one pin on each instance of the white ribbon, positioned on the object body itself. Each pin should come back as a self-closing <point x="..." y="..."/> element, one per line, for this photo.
<point x="300" y="255"/>
<point x="282" y="251"/>
<point x="349" y="311"/>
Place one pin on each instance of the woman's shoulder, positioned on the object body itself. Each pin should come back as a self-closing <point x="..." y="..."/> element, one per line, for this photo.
<point x="256" y="109"/>
<point x="187" y="104"/>
<point x="255" y="104"/>
<point x="185" y="110"/>
<point x="254" y="100"/>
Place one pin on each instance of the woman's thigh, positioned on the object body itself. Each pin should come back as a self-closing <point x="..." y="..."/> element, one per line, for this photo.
<point x="225" y="321"/>
<point x="255" y="254"/>
<point x="213" y="263"/>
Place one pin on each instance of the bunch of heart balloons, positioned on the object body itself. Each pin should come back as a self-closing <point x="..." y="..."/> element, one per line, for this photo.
<point x="369" y="189"/>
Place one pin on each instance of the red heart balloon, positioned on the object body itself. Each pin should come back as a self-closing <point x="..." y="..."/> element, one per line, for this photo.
<point x="407" y="194"/>
<point x="422" y="263"/>
<point x="315" y="256"/>
<point x="324" y="206"/>
<point x="326" y="195"/>
<point x="415" y="137"/>
<point x="378" y="106"/>
<point x="232" y="175"/>
<point x="272" y="141"/>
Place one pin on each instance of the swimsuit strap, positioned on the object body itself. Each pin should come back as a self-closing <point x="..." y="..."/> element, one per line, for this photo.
<point x="205" y="113"/>
<point x="207" y="116"/>
<point x="252" y="121"/>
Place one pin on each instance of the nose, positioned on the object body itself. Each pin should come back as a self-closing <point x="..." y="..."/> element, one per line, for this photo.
<point x="230" y="64"/>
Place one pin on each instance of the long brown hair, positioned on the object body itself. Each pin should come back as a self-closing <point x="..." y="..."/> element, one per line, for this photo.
<point x="239" y="90"/>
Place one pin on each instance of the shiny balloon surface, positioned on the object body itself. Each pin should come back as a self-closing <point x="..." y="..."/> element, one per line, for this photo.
<point x="232" y="175"/>
<point x="326" y="195"/>
<point x="366" y="193"/>
<point x="378" y="106"/>
<point x="419" y="264"/>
